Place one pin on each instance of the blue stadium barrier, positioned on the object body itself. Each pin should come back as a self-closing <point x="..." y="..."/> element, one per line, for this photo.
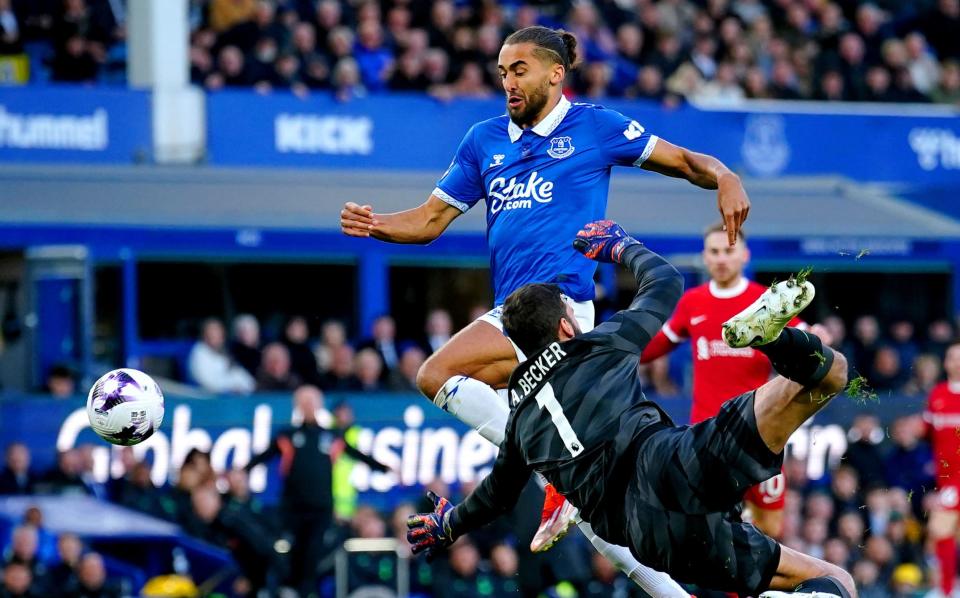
<point x="418" y="132"/>
<point x="75" y="124"/>
<point x="62" y="123"/>
<point x="405" y="431"/>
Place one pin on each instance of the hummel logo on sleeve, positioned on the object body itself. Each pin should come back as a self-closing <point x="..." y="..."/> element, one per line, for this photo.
<point x="634" y="130"/>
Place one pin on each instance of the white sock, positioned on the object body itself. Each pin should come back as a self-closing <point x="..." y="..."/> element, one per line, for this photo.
<point x="475" y="404"/>
<point x="655" y="583"/>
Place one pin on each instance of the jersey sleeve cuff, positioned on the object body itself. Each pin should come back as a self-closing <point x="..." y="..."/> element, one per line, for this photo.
<point x="651" y="144"/>
<point x="670" y="334"/>
<point x="447" y="198"/>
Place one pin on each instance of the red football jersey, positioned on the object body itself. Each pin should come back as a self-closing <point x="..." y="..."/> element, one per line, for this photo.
<point x="943" y="417"/>
<point x="719" y="372"/>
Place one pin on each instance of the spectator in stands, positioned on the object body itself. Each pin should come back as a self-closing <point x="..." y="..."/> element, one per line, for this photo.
<point x="845" y="489"/>
<point x="60" y="382"/>
<point x="409" y="76"/>
<point x="63" y="575"/>
<point x="724" y="89"/>
<point x="436" y="67"/>
<point x="139" y="494"/>
<point x="296" y="336"/>
<point x="347" y="84"/>
<point x="23" y="551"/>
<point x="909" y="464"/>
<point x="866" y="340"/>
<point x="75" y="61"/>
<point x="939" y="338"/>
<point x="275" y="374"/>
<point x="886" y="374"/>
<point x="200" y="460"/>
<point x="201" y="65"/>
<point x="906" y="581"/>
<point x="340" y="377"/>
<point x="306" y="499"/>
<point x="92" y="576"/>
<point x="925" y="375"/>
<point x="383" y="340"/>
<point x="17" y="582"/>
<point x="903" y="341"/>
<point x="470" y="83"/>
<point x="941" y="26"/>
<point x="865" y="450"/>
<point x="373" y="58"/>
<point x="188" y="480"/>
<point x="404" y="377"/>
<point x="504" y="561"/>
<point x="212" y="367"/>
<point x="16" y="477"/>
<point x="93" y="487"/>
<point x="332" y="335"/>
<point x="245" y="346"/>
<point x="11" y="41"/>
<point x="46" y="540"/>
<point x="948" y="90"/>
<point x="369" y="370"/>
<point x="438" y="329"/>
<point x="225" y="14"/>
<point x="238" y="492"/>
<point x="232" y="70"/>
<point x="463" y="580"/>
<point x="250" y="539"/>
<point x="65" y="476"/>
<point x="923" y="67"/>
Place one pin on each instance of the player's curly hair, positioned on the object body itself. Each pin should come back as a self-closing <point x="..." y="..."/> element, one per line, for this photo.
<point x="531" y="315"/>
<point x="552" y="44"/>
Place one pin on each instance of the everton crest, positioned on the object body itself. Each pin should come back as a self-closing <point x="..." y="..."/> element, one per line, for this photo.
<point x="560" y="147"/>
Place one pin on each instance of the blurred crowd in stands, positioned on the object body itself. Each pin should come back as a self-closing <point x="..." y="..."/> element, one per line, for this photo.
<point x="717" y="51"/>
<point x="894" y="357"/>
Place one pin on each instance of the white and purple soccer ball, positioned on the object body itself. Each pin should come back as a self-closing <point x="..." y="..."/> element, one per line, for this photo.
<point x="125" y="406"/>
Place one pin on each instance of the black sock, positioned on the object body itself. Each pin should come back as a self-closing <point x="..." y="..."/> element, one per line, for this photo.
<point x="799" y="356"/>
<point x="828" y="584"/>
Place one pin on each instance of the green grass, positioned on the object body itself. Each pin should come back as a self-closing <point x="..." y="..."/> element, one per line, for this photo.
<point x="859" y="390"/>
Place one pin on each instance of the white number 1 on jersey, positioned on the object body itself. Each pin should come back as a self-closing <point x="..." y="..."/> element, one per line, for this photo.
<point x="546" y="398"/>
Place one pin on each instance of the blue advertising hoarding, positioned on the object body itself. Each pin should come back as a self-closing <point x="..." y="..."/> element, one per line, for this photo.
<point x="418" y="441"/>
<point x="74" y="124"/>
<point x="419" y="132"/>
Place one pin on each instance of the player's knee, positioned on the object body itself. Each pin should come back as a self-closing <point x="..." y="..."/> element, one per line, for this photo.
<point x="836" y="379"/>
<point x="431" y="377"/>
<point x="845" y="579"/>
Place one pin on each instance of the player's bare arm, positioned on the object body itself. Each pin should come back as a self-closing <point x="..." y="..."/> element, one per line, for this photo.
<point x="419" y="225"/>
<point x="706" y="172"/>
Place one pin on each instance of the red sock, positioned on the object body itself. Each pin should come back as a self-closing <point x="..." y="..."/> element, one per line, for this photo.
<point x="947" y="555"/>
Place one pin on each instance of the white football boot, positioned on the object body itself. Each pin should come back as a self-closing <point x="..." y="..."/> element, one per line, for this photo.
<point x="762" y="322"/>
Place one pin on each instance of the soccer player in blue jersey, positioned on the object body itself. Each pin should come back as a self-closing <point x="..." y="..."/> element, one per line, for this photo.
<point x="543" y="170"/>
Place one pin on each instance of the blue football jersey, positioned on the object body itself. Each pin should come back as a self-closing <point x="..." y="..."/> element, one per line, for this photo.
<point x="541" y="185"/>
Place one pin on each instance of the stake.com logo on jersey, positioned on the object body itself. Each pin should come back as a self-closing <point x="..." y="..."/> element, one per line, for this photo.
<point x="513" y="195"/>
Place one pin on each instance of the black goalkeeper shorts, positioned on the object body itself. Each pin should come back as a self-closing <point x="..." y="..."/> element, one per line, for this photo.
<point x="683" y="503"/>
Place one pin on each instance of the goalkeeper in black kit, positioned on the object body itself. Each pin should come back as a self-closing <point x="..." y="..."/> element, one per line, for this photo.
<point x="670" y="493"/>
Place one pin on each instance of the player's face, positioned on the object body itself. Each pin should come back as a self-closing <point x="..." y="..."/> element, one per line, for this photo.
<point x="527" y="82"/>
<point x="724" y="263"/>
<point x="951" y="363"/>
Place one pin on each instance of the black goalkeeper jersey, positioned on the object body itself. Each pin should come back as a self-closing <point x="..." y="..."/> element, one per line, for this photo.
<point x="578" y="410"/>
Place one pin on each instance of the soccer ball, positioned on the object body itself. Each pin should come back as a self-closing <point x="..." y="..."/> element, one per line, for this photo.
<point x="125" y="406"/>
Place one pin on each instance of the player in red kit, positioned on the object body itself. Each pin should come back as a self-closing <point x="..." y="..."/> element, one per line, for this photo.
<point x="943" y="421"/>
<point x="719" y="371"/>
